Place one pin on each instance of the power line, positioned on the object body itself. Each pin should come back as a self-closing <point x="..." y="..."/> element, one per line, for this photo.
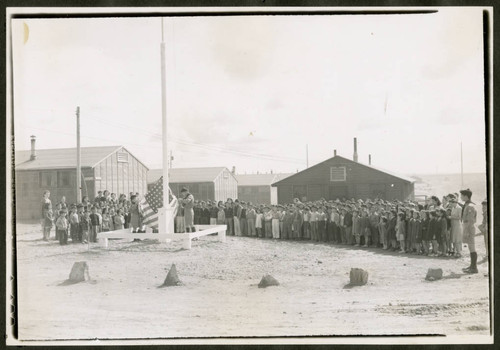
<point x="195" y="144"/>
<point x="221" y="150"/>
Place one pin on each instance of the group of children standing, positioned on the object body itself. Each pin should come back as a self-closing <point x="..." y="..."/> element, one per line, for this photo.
<point x="432" y="229"/>
<point x="83" y="221"/>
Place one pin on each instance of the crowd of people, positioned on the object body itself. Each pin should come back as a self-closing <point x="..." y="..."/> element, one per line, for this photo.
<point x="434" y="228"/>
<point x="83" y="221"/>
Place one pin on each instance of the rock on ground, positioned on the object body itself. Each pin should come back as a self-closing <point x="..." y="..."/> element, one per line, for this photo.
<point x="172" y="278"/>
<point x="267" y="281"/>
<point x="434" y="274"/>
<point x="358" y="277"/>
<point x="79" y="272"/>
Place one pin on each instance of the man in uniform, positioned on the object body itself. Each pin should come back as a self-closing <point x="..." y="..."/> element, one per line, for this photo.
<point x="484" y="226"/>
<point x="468" y="220"/>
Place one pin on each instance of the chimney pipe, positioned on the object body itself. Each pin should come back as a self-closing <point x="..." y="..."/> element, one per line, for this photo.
<point x="369" y="159"/>
<point x="33" y="149"/>
<point x="355" y="156"/>
<point x="234" y="170"/>
<point x="334" y="152"/>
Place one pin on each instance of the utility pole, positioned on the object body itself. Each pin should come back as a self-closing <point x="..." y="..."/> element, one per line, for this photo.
<point x="78" y="159"/>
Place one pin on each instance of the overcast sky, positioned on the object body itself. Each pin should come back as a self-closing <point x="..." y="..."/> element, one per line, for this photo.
<point x="253" y="91"/>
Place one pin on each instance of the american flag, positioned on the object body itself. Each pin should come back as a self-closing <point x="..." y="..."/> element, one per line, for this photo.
<point x="150" y="204"/>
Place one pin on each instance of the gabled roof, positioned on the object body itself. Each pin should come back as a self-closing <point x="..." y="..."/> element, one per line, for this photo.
<point x="188" y="175"/>
<point x="61" y="158"/>
<point x="259" y="179"/>
<point x="401" y="177"/>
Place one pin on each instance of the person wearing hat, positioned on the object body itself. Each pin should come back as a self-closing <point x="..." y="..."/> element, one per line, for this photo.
<point x="484" y="226"/>
<point x="187" y="201"/>
<point x="456" y="226"/>
<point x="469" y="216"/>
<point x="62" y="225"/>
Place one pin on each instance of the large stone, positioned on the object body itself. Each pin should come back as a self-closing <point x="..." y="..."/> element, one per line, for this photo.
<point x="358" y="277"/>
<point x="79" y="272"/>
<point x="268" y="281"/>
<point x="434" y="274"/>
<point x="172" y="278"/>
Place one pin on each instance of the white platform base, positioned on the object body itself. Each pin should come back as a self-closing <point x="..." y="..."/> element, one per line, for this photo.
<point x="201" y="230"/>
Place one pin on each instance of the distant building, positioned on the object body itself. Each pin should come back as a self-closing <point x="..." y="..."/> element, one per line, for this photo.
<point x="256" y="188"/>
<point x="110" y="168"/>
<point x="338" y="178"/>
<point x="214" y="183"/>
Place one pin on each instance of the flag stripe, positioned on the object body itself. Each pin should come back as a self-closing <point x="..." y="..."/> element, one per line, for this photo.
<point x="152" y="201"/>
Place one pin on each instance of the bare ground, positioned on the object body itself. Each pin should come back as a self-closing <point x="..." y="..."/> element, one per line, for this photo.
<point x="220" y="297"/>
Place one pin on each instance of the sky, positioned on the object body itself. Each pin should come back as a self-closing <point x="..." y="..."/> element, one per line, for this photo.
<point x="255" y="92"/>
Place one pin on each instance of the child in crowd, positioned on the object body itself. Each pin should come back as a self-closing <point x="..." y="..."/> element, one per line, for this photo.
<point x="382" y="228"/>
<point x="57" y="214"/>
<point x="417" y="233"/>
<point x="424" y="225"/>
<point x="119" y="220"/>
<point x="229" y="217"/>
<point x="433" y="231"/>
<point x="355" y="227"/>
<point x="74" y="223"/>
<point x="448" y="241"/>
<point x="401" y="231"/>
<point x="286" y="233"/>
<point x="268" y="228"/>
<point x="85" y="227"/>
<point x="306" y="226"/>
<point x="456" y="227"/>
<point x="48" y="221"/>
<point x="258" y="222"/>
<point x="251" y="220"/>
<point x="221" y="215"/>
<point x="275" y="222"/>
<point x="106" y="220"/>
<point x="214" y="211"/>
<point x="321" y="225"/>
<point x="95" y="225"/>
<point x="62" y="226"/>
<point x="391" y="230"/>
<point x="313" y="221"/>
<point x="364" y="226"/>
<point x="441" y="229"/>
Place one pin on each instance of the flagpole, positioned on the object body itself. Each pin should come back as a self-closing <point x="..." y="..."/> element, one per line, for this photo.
<point x="165" y="216"/>
<point x="164" y="120"/>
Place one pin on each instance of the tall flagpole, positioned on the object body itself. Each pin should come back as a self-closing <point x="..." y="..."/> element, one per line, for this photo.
<point x="165" y="214"/>
<point x="164" y="120"/>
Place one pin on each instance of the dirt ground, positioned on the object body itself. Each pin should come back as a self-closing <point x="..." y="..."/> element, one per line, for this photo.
<point x="220" y="297"/>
